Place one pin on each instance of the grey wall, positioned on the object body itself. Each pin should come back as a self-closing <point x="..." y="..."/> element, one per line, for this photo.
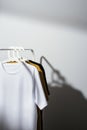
<point x="65" y="11"/>
<point x="65" y="48"/>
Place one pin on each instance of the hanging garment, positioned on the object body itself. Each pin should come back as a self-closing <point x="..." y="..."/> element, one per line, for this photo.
<point x="46" y="91"/>
<point x="42" y="76"/>
<point x="21" y="92"/>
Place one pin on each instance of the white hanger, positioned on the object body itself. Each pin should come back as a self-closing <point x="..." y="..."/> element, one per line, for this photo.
<point x="20" y="57"/>
<point x="14" y="56"/>
<point x="11" y="56"/>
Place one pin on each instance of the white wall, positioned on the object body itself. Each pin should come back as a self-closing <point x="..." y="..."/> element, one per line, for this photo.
<point x="66" y="11"/>
<point x="65" y="47"/>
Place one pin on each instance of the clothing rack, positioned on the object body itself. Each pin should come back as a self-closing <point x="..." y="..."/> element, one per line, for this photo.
<point x="61" y="79"/>
<point x="18" y="49"/>
<point x="43" y="58"/>
<point x="6" y="49"/>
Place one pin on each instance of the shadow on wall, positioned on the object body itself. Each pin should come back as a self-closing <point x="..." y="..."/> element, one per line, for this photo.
<point x="67" y="107"/>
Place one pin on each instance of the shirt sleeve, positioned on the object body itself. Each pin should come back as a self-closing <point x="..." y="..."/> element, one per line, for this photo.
<point x="39" y="95"/>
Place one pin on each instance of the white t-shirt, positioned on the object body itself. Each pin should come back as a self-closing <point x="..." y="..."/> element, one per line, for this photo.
<point x="20" y="91"/>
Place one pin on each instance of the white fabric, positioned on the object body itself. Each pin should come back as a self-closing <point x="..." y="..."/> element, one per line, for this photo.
<point x="20" y="92"/>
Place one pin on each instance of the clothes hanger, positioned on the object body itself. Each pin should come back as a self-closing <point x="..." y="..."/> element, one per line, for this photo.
<point x="14" y="58"/>
<point x="21" y="58"/>
<point x="11" y="56"/>
<point x="14" y="54"/>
